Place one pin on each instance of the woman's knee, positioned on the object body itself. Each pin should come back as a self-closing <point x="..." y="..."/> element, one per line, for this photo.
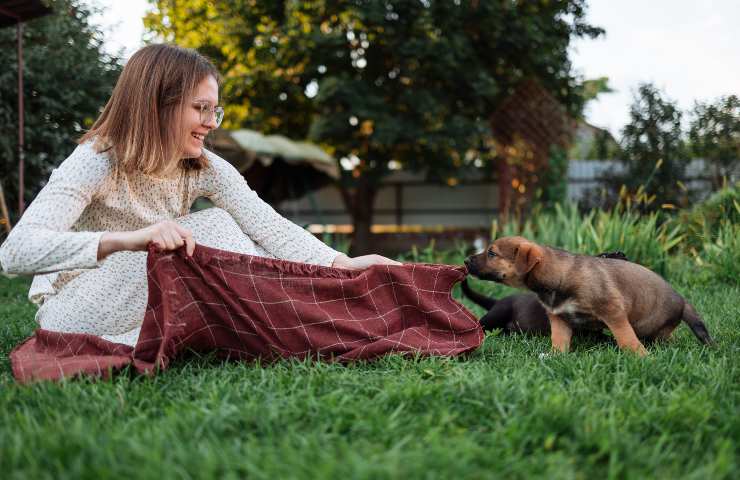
<point x="215" y="227"/>
<point x="207" y="216"/>
<point x="205" y="222"/>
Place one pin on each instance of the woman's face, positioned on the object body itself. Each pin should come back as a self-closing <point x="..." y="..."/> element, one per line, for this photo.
<point x="194" y="128"/>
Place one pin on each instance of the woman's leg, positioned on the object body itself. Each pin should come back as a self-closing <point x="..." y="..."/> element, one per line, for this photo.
<point x="110" y="301"/>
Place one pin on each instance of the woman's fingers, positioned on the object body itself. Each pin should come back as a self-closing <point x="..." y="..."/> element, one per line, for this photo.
<point x="187" y="237"/>
<point x="386" y="261"/>
<point x="177" y="239"/>
<point x="172" y="239"/>
<point x="365" y="261"/>
<point x="375" y="259"/>
<point x="165" y="242"/>
<point x="166" y="237"/>
<point x="176" y="236"/>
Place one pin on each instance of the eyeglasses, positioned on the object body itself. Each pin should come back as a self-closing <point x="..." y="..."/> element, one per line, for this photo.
<point x="207" y="111"/>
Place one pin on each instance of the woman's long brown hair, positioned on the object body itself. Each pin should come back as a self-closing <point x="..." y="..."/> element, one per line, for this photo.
<point x="141" y="121"/>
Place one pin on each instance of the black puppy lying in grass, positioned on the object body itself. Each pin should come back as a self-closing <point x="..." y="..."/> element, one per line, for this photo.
<point x="518" y="313"/>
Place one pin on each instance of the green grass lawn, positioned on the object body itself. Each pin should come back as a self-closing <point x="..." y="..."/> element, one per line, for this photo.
<point x="501" y="412"/>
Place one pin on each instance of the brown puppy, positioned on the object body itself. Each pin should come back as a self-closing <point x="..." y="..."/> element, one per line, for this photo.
<point x="522" y="312"/>
<point x="588" y="292"/>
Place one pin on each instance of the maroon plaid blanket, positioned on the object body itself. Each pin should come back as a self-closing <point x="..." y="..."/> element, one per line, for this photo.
<point x="246" y="307"/>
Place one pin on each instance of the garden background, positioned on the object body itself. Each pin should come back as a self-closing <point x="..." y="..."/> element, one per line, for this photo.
<point x="433" y="89"/>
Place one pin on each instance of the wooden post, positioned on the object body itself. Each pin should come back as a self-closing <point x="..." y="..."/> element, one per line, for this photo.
<point x="21" y="115"/>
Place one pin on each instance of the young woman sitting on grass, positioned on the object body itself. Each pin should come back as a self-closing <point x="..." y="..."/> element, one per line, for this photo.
<point x="131" y="181"/>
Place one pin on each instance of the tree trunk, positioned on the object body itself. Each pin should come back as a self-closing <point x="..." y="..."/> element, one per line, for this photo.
<point x="360" y="203"/>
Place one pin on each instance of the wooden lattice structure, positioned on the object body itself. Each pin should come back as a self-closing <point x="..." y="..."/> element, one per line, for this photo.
<point x="525" y="127"/>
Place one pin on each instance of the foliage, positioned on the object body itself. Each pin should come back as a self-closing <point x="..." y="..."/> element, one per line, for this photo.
<point x="721" y="253"/>
<point x="709" y="234"/>
<point x="67" y="80"/>
<point x="594" y="87"/>
<point x="430" y="254"/>
<point x="400" y="83"/>
<point x="654" y="151"/>
<point x="714" y="133"/>
<point x="604" y="147"/>
<point x="702" y="223"/>
<point x="555" y="178"/>
<point x="712" y="236"/>
<point x="644" y="239"/>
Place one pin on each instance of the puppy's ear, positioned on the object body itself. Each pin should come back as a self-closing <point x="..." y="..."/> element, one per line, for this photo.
<point x="527" y="256"/>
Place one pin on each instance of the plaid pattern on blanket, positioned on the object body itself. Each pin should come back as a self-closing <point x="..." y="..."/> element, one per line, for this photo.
<point x="246" y="307"/>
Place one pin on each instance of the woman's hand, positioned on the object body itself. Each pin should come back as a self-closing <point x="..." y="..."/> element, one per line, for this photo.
<point x="362" y="262"/>
<point x="167" y="235"/>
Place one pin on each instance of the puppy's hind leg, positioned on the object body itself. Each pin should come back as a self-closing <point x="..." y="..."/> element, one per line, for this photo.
<point x="624" y="333"/>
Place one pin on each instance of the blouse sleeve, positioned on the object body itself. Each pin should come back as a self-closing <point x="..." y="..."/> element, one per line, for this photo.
<point x="227" y="189"/>
<point x="41" y="241"/>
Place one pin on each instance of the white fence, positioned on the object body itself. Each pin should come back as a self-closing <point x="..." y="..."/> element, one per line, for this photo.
<point x="584" y="175"/>
<point x="406" y="199"/>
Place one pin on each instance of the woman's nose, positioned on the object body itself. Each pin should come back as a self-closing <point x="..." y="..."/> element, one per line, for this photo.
<point x="210" y="121"/>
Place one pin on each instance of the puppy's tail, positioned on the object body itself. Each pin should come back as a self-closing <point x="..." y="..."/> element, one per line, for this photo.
<point x="693" y="320"/>
<point x="480" y="299"/>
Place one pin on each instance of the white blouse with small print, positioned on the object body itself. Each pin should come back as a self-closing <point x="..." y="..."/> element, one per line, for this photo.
<point x="57" y="237"/>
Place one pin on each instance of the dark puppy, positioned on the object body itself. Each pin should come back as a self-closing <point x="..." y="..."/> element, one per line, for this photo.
<point x="587" y="292"/>
<point x="519" y="313"/>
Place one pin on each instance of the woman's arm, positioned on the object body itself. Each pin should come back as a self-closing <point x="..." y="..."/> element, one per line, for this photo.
<point x="41" y="241"/>
<point x="166" y="234"/>
<point x="228" y="190"/>
<point x="283" y="239"/>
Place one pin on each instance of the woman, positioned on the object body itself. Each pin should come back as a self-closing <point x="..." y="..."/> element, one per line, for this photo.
<point x="131" y="181"/>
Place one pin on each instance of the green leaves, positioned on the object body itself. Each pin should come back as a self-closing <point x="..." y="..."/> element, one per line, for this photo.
<point x="426" y="75"/>
<point x="67" y="80"/>
<point x="654" y="148"/>
<point x="714" y="133"/>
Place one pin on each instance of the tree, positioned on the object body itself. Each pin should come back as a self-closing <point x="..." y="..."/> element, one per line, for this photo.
<point x="380" y="83"/>
<point x="67" y="80"/>
<point x="714" y="133"/>
<point x="654" y="150"/>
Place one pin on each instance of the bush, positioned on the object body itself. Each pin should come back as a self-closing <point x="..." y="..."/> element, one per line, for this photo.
<point x="702" y="223"/>
<point x="644" y="239"/>
<point x="706" y="240"/>
<point x="712" y="231"/>
<point x="722" y="254"/>
<point x="655" y="154"/>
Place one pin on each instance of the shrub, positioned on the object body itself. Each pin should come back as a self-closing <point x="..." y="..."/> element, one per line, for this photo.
<point x="722" y="254"/>
<point x="702" y="223"/>
<point x="644" y="239"/>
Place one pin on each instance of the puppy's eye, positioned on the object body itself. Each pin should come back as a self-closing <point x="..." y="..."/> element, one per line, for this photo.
<point x="491" y="253"/>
